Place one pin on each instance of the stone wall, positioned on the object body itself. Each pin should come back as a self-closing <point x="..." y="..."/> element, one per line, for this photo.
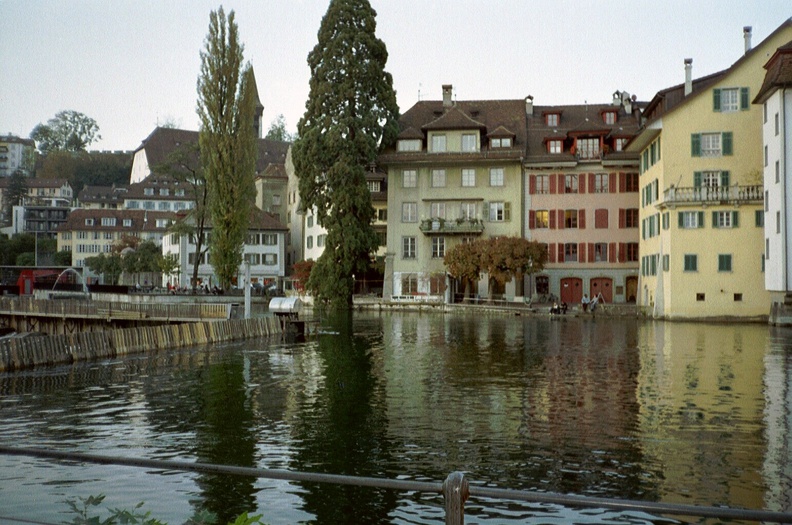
<point x="29" y="352"/>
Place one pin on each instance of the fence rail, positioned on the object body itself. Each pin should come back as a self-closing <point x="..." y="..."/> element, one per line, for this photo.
<point x="105" y="309"/>
<point x="455" y="489"/>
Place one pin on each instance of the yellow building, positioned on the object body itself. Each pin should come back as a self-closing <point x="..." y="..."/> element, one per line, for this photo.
<point x="701" y="211"/>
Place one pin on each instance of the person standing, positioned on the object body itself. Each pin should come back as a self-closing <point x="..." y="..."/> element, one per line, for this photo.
<point x="584" y="303"/>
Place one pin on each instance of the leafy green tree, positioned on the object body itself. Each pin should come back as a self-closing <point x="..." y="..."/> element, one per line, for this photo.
<point x="277" y="130"/>
<point x="226" y="107"/>
<point x="144" y="259"/>
<point x="184" y="165"/>
<point x="350" y="115"/>
<point x="17" y="189"/>
<point x="69" y="130"/>
<point x="109" y="265"/>
<point x="62" y="258"/>
<point x="86" y="168"/>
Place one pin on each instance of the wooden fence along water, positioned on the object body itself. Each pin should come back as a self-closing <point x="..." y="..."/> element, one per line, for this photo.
<point x="27" y="352"/>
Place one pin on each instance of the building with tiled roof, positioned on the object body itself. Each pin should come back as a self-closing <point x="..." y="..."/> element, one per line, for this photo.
<point x="775" y="99"/>
<point x="264" y="249"/>
<point x="454" y="174"/>
<point x="89" y="232"/>
<point x="703" y="209"/>
<point x="99" y="197"/>
<point x="582" y="198"/>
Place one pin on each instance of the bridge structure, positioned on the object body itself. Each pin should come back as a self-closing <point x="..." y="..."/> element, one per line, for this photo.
<point x="73" y="314"/>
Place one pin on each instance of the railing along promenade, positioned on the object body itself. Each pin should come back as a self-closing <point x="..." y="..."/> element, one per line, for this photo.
<point x="101" y="310"/>
<point x="456" y="489"/>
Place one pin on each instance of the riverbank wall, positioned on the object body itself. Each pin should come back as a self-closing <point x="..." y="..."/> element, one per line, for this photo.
<point x="34" y="351"/>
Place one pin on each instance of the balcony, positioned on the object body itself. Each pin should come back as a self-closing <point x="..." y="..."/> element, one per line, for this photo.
<point x="438" y="226"/>
<point x="703" y="195"/>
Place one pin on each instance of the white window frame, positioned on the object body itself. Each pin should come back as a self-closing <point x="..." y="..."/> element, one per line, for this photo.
<point x="439" y="178"/>
<point x="438" y="209"/>
<point x="438" y="247"/>
<point x="439" y="144"/>
<point x="468" y="210"/>
<point x="729" y="100"/>
<point x="408" y="247"/>
<point x="496" y="177"/>
<point x="555" y="146"/>
<point x="409" y="179"/>
<point x="409" y="145"/>
<point x="711" y="145"/>
<point x="409" y="212"/>
<point x="468" y="178"/>
<point x="469" y="143"/>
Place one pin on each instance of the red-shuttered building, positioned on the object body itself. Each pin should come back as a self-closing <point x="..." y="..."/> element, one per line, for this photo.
<point x="582" y="199"/>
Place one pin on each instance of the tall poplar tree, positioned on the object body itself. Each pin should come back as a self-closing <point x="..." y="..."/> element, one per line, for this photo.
<point x="351" y="113"/>
<point x="226" y="106"/>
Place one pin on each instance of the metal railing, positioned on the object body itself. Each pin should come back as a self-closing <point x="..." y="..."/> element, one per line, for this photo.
<point x="102" y="309"/>
<point x="456" y="488"/>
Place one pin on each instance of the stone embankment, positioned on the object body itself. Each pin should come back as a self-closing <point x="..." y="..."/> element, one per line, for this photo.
<point x="33" y="351"/>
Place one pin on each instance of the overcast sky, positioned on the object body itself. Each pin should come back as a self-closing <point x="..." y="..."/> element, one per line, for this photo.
<point x="131" y="64"/>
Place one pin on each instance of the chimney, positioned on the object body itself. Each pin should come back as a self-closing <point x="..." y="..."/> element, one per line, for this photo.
<point x="447" y="91"/>
<point x="529" y="105"/>
<point x="747" y="37"/>
<point x="688" y="76"/>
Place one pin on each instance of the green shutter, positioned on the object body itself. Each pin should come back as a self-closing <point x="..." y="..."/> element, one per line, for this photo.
<point x="697" y="179"/>
<point x="681" y="219"/>
<point x="735" y="219"/>
<point x="759" y="218"/>
<point x="701" y="219"/>
<point x="485" y="211"/>
<point x="714" y="219"/>
<point x="716" y="100"/>
<point x="726" y="141"/>
<point x="744" y="102"/>
<point x="695" y="145"/>
<point x="724" y="176"/>
<point x="507" y="211"/>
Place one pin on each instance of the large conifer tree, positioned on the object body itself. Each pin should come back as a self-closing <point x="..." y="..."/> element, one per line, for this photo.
<point x="350" y="114"/>
<point x="226" y="106"/>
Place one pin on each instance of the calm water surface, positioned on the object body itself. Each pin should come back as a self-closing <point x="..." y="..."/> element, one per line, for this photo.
<point x="673" y="412"/>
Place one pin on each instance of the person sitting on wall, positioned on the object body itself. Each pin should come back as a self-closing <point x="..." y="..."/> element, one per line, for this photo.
<point x="585" y="302"/>
<point x="564" y="307"/>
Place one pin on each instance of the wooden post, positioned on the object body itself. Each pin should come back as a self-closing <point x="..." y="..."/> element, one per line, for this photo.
<point x="455" y="493"/>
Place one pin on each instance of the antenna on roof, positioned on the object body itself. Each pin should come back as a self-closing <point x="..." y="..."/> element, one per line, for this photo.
<point x="419" y="91"/>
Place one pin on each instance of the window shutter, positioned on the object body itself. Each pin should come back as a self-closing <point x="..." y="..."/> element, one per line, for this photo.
<point x="612" y="182"/>
<point x="695" y="145"/>
<point x="726" y="141"/>
<point x="697" y="179"/>
<point x="582" y="219"/>
<point x="551" y="249"/>
<point x="622" y="252"/>
<point x="507" y="211"/>
<point x="552" y="215"/>
<point x="714" y="219"/>
<point x="561" y="223"/>
<point x="582" y="252"/>
<point x="531" y="220"/>
<point x="552" y="178"/>
<point x="485" y="211"/>
<point x="612" y="252"/>
<point x="622" y="182"/>
<point x="681" y="219"/>
<point x="735" y="219"/>
<point x="532" y="184"/>
<point x="561" y="253"/>
<point x="724" y="178"/>
<point x="716" y="102"/>
<point x="701" y="219"/>
<point x="591" y="252"/>
<point x="643" y="229"/>
<point x="592" y="182"/>
<point x="622" y="217"/>
<point x="744" y="102"/>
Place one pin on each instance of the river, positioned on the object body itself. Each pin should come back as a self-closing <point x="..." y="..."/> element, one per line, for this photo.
<point x="687" y="413"/>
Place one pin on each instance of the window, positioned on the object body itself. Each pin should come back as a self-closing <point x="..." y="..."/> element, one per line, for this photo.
<point x="409" y="178"/>
<point x="724" y="262"/>
<point x="162" y="223"/>
<point x="179" y="192"/>
<point x="543" y="184"/>
<point x="729" y="100"/>
<point x="551" y="119"/>
<point x="570" y="218"/>
<point x="309" y="221"/>
<point x="409" y="212"/>
<point x="408" y="247"/>
<point x="700" y="297"/>
<point x="374" y="186"/>
<point x="504" y="142"/>
<point x="711" y="144"/>
<point x="738" y="297"/>
<point x="468" y="210"/>
<point x="148" y="191"/>
<point x="108" y="221"/>
<point x="499" y="211"/>
<point x="164" y="192"/>
<point x="149" y="205"/>
<point x="777" y="172"/>
<point x="409" y="284"/>
<point x="82" y="235"/>
<point x="542" y="219"/>
<point x="691" y="219"/>
<point x="383" y="238"/>
<point x="609" y="117"/>
<point x="691" y="262"/>
<point x="776" y="124"/>
<point x="496" y="176"/>
<point x="320" y="240"/>
<point x="410" y="145"/>
<point x="309" y="242"/>
<point x="108" y="236"/>
<point x="438" y="178"/>
<point x="725" y="219"/>
<point x="601" y="183"/>
<point x="89" y="222"/>
<point x="468" y="178"/>
<point x="164" y="206"/>
<point x="437" y="209"/>
<point x="270" y="259"/>
<point x="555" y="146"/>
<point x="765" y="156"/>
<point x="759" y="218"/>
<point x="438" y="247"/>
<point x="438" y="143"/>
<point x="570" y="252"/>
<point x="270" y="239"/>
<point x="631" y="218"/>
<point x="632" y="252"/>
<point x="601" y="252"/>
<point x="570" y="184"/>
<point x="382" y="214"/>
<point x="619" y="144"/>
<point x="468" y="142"/>
<point x="133" y="205"/>
<point x="588" y="148"/>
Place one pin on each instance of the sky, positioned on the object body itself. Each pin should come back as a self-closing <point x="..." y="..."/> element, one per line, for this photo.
<point x="133" y="64"/>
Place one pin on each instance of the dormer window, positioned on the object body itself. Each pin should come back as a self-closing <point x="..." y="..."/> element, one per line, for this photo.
<point x="505" y="142"/>
<point x="148" y="191"/>
<point x="438" y="143"/>
<point x="127" y="223"/>
<point x="180" y="192"/>
<point x="164" y="192"/>
<point x="89" y="222"/>
<point x="468" y="142"/>
<point x="551" y="119"/>
<point x="555" y="146"/>
<point x="619" y="144"/>
<point x="108" y="221"/>
<point x="609" y="117"/>
<point x="410" y="145"/>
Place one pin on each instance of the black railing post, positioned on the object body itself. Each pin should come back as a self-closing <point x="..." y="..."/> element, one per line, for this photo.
<point x="455" y="493"/>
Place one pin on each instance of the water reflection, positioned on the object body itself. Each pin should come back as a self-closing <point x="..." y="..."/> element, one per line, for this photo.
<point x="685" y="413"/>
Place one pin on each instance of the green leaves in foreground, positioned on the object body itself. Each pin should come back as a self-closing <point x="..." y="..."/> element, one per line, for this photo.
<point x="85" y="507"/>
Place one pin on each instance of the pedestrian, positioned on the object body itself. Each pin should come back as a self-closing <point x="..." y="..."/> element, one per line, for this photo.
<point x="593" y="304"/>
<point x="584" y="303"/>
